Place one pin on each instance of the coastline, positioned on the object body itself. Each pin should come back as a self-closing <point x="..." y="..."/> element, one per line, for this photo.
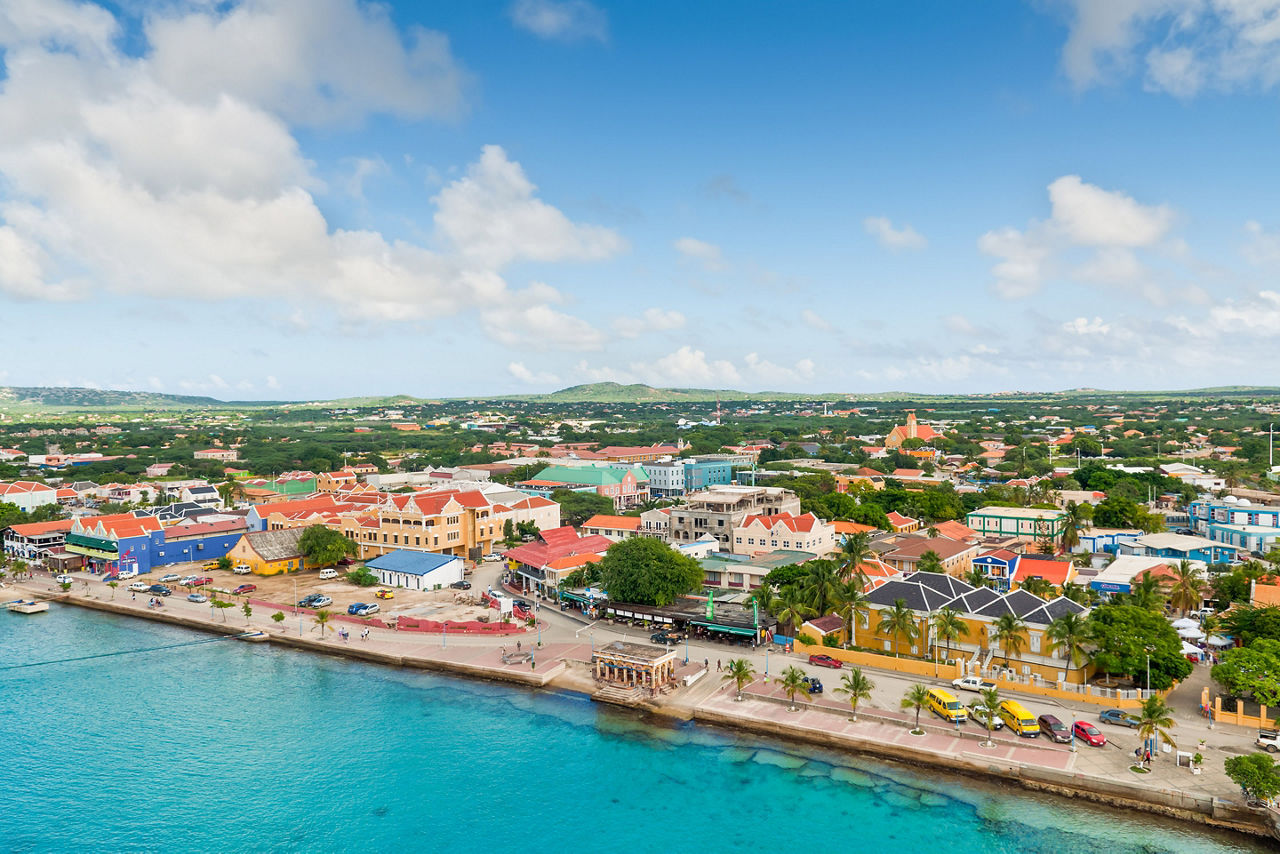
<point x="559" y="676"/>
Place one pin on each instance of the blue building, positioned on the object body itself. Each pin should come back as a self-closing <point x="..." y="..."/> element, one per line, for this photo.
<point x="1177" y="547"/>
<point x="1106" y="540"/>
<point x="703" y="474"/>
<point x="1236" y="522"/>
<point x="999" y="567"/>
<point x="124" y="542"/>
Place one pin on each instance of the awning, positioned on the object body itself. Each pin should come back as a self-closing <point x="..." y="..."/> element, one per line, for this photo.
<point x="732" y="630"/>
<point x="1191" y="634"/>
<point x="1186" y="623"/>
<point x="1215" y="640"/>
<point x="1190" y="649"/>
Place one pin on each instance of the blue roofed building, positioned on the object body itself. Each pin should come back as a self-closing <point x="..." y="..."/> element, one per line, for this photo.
<point x="416" y="570"/>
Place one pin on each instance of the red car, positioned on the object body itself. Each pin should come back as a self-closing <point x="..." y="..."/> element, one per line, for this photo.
<point x="245" y="588"/>
<point x="1087" y="732"/>
<point x="825" y="661"/>
<point x="201" y="581"/>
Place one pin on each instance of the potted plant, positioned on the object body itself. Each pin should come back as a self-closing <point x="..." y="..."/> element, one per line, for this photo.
<point x="1196" y="762"/>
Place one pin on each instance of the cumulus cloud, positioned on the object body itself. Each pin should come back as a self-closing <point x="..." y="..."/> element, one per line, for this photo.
<point x="179" y="175"/>
<point x="691" y="366"/>
<point x="1082" y="216"/>
<point x="529" y="313"/>
<point x="815" y="320"/>
<point x="524" y="375"/>
<point x="1181" y="47"/>
<point x="706" y="254"/>
<point x="1263" y="247"/>
<point x="561" y="20"/>
<point x="889" y="237"/>
<point x="661" y="319"/>
<point x="1085" y="326"/>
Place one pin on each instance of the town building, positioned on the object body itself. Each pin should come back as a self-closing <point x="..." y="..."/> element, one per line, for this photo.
<point x="1179" y="547"/>
<point x="270" y="552"/>
<point x="1237" y="522"/>
<point x="643" y="454"/>
<point x="806" y="532"/>
<point x="911" y="430"/>
<point x="616" y="528"/>
<point x="1119" y="575"/>
<point x="27" y="495"/>
<point x="226" y="455"/>
<point x="956" y="557"/>
<point x="416" y="570"/>
<point x="1028" y="524"/>
<point x="540" y="566"/>
<point x="36" y="540"/>
<point x="720" y="510"/>
<point x="736" y="572"/>
<point x="626" y="487"/>
<point x="1105" y="540"/>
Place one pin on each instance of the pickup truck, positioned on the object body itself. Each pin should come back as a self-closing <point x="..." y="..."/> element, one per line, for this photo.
<point x="1269" y="740"/>
<point x="972" y="683"/>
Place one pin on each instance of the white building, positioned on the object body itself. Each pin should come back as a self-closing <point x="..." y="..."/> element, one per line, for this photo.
<point x="27" y="494"/>
<point x="417" y="570"/>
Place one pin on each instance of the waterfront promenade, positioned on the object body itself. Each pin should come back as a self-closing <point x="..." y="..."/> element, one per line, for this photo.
<point x="882" y="729"/>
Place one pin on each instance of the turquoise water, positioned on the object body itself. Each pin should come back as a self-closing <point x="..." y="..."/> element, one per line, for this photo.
<point x="242" y="747"/>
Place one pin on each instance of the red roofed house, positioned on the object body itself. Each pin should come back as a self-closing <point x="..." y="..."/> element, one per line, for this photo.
<point x="35" y="540"/>
<point x="542" y="565"/>
<point x="953" y="530"/>
<point x="902" y="524"/>
<point x="1056" y="572"/>
<point x="957" y="557"/>
<point x="27" y="494"/>
<point x="762" y="534"/>
<point x="616" y="528"/>
<point x="226" y="455"/>
<point x="911" y="430"/>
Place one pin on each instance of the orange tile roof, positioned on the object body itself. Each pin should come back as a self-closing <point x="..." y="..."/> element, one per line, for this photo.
<point x="847" y="528"/>
<point x="1056" y="572"/>
<point x="31" y="529"/>
<point x="625" y="523"/>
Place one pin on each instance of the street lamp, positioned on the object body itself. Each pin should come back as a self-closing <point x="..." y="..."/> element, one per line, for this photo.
<point x="686" y="647"/>
<point x="1149" y="650"/>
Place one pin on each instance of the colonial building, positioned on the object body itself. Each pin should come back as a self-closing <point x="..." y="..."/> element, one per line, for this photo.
<point x="1027" y="524"/>
<point x="806" y="532"/>
<point x="616" y="528"/>
<point x="270" y="552"/>
<point x="911" y="430"/>
<point x="720" y="510"/>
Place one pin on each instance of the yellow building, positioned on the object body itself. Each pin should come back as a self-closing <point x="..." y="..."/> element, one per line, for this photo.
<point x="269" y="552"/>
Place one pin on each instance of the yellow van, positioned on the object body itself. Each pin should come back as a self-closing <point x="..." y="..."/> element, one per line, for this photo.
<point x="945" y="705"/>
<point x="1017" y="718"/>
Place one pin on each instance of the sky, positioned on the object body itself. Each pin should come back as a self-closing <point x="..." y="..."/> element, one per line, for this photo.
<point x="312" y="199"/>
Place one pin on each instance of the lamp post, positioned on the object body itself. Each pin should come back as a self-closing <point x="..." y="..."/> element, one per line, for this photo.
<point x="296" y="609"/>
<point x="1148" y="651"/>
<point x="1073" y="730"/>
<point x="686" y="647"/>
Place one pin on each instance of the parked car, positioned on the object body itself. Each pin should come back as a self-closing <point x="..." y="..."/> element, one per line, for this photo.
<point x="321" y="600"/>
<point x="187" y="580"/>
<point x="491" y="557"/>
<point x="356" y="607"/>
<point x="814" y="683"/>
<point x="201" y="580"/>
<point x="664" y="638"/>
<point x="210" y="566"/>
<point x="1089" y="734"/>
<point x="979" y="714"/>
<point x="820" y="660"/>
<point x="305" y="601"/>
<point x="197" y="598"/>
<point x="1119" y="717"/>
<point x="972" y="683"/>
<point x="159" y="590"/>
<point x="1054" y="729"/>
<point x="368" y="610"/>
<point x="244" y="588"/>
<point x="169" y="579"/>
<point x="1269" y="740"/>
<point x="461" y="585"/>
<point x="384" y="593"/>
<point x="65" y="579"/>
<point x="139" y="587"/>
<point x="126" y="574"/>
<point x="326" y="574"/>
<point x="241" y="569"/>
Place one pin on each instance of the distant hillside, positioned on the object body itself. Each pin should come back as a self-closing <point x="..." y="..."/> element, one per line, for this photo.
<point x="640" y="393"/>
<point x="39" y="398"/>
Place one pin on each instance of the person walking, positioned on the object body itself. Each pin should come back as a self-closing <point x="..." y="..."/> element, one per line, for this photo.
<point x="717" y="665"/>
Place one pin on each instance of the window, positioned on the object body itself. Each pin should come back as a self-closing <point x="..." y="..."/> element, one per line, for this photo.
<point x="1035" y="642"/>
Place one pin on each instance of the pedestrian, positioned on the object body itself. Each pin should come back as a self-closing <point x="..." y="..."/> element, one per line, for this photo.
<point x="706" y="664"/>
<point x="135" y="596"/>
<point x="717" y="665"/>
<point x="517" y="646"/>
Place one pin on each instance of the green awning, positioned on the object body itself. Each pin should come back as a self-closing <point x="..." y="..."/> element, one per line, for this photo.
<point x="91" y="542"/>
<point x="88" y="552"/>
<point x="733" y="630"/>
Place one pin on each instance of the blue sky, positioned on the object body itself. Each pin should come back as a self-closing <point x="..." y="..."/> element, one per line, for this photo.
<point x="319" y="198"/>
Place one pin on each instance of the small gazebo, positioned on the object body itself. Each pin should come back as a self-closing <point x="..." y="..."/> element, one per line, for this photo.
<point x="634" y="665"/>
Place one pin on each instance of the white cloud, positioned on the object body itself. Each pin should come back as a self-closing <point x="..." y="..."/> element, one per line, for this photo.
<point x="766" y="371"/>
<point x="815" y="320"/>
<point x="1083" y="216"/>
<point x="272" y="382"/>
<point x="689" y="367"/>
<point x="707" y="254"/>
<point x="1186" y="46"/>
<point x="663" y="319"/>
<point x="1085" y="326"/>
<point x="524" y="375"/>
<point x="177" y="175"/>
<point x="363" y="168"/>
<point x="561" y="20"/>
<point x="309" y="61"/>
<point x="889" y="237"/>
<point x="959" y="324"/>
<point x="528" y="315"/>
<point x="1263" y="247"/>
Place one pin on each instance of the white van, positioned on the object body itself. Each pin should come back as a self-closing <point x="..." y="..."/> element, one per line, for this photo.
<point x="326" y="574"/>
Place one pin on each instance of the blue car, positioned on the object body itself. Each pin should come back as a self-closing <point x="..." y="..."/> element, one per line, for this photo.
<point x="159" y="590"/>
<point x="356" y="607"/>
<point x="1119" y="717"/>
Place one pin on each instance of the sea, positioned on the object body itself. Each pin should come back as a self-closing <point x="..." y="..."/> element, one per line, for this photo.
<point x="124" y="735"/>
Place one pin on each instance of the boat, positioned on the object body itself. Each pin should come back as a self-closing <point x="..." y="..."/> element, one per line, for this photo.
<point x="253" y="637"/>
<point x="30" y="606"/>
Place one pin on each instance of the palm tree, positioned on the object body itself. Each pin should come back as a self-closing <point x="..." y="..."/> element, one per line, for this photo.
<point x="917" y="697"/>
<point x="990" y="704"/>
<point x="899" y="620"/>
<point x="821" y="585"/>
<point x="855" y="551"/>
<point x="1156" y="718"/>
<point x="764" y="598"/>
<point x="1147" y="593"/>
<point x="793" y="683"/>
<point x="322" y="619"/>
<point x="950" y="627"/>
<point x="1068" y="634"/>
<point x="857" y="687"/>
<point x="1186" y="588"/>
<point x="933" y="532"/>
<point x="742" y="674"/>
<point x="975" y="577"/>
<point x="792" y="609"/>
<point x="930" y="562"/>
<point x="1037" y="586"/>
<point x="113" y="585"/>
<point x="1008" y="631"/>
<point x="853" y="606"/>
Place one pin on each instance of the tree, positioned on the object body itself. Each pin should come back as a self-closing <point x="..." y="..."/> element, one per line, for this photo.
<point x="792" y="609"/>
<point x="1120" y="634"/>
<point x="899" y="621"/>
<point x="646" y="571"/>
<point x="1252" y="670"/>
<point x="1250" y="624"/>
<point x="278" y="617"/>
<point x="1256" y="775"/>
<point x="854" y="552"/>
<point x="222" y="606"/>
<point x="1068" y="634"/>
<point x="917" y="697"/>
<point x="821" y="585"/>
<point x="362" y="576"/>
<point x="321" y="618"/>
<point x="1147" y="592"/>
<point x="322" y="546"/>
<point x="764" y="598"/>
<point x="509" y="533"/>
<point x="1009" y="631"/>
<point x="1186" y="588"/>
<point x="857" y="687"/>
<point x="793" y="682"/>
<point x="975" y="577"/>
<point x="113" y="585"/>
<point x="578" y="507"/>
<point x="742" y="674"/>
<point x="224" y="563"/>
<point x="1037" y="586"/>
<point x="853" y="607"/>
<point x="990" y="705"/>
<point x="949" y="626"/>
<point x="1155" y="718"/>
<point x="930" y="562"/>
<point x="247" y="610"/>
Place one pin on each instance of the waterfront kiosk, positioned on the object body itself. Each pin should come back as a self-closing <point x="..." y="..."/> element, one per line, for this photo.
<point x="634" y="665"/>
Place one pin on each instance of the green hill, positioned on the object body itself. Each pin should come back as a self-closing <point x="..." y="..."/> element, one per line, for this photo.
<point x="37" y="398"/>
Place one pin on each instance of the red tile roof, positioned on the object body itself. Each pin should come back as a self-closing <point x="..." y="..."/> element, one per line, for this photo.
<point x="1056" y="572"/>
<point x="623" y="523"/>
